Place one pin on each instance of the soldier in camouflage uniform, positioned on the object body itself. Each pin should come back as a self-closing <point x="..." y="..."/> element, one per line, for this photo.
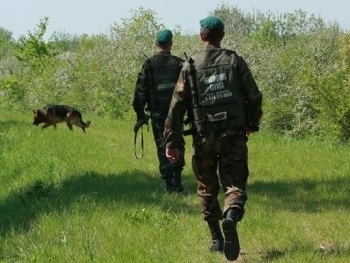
<point x="154" y="87"/>
<point x="226" y="105"/>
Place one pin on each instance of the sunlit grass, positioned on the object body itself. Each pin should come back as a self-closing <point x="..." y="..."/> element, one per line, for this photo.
<point x="83" y="197"/>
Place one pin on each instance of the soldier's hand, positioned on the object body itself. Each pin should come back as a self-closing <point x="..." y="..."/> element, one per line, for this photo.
<point x="139" y="123"/>
<point x="173" y="155"/>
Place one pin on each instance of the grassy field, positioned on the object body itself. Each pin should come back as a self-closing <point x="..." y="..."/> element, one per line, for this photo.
<point x="74" y="197"/>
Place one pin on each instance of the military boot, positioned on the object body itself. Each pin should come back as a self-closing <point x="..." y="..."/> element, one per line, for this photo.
<point x="216" y="236"/>
<point x="229" y="227"/>
<point x="169" y="185"/>
<point x="177" y="183"/>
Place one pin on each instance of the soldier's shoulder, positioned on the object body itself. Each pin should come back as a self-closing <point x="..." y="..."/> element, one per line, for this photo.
<point x="237" y="57"/>
<point x="155" y="57"/>
<point x="230" y="52"/>
<point x="151" y="61"/>
<point x="199" y="54"/>
<point x="178" y="60"/>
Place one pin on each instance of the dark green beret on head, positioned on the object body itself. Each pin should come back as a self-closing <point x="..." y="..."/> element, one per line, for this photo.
<point x="164" y="36"/>
<point x="212" y="22"/>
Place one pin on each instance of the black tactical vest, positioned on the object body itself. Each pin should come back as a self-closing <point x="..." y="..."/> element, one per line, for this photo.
<point x="219" y="104"/>
<point x="164" y="71"/>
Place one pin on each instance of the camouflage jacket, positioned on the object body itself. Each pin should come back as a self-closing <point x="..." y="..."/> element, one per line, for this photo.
<point x="155" y="84"/>
<point x="182" y="101"/>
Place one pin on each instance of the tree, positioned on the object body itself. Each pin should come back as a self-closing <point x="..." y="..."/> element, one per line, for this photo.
<point x="6" y="42"/>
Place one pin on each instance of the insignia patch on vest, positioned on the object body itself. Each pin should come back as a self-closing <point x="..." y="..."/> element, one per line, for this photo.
<point x="214" y="88"/>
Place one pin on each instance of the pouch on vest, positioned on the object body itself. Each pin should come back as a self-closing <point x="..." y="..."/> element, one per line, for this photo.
<point x="221" y="102"/>
<point x="207" y="123"/>
<point x="165" y="72"/>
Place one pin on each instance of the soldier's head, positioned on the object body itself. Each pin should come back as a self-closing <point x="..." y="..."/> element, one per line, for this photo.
<point x="164" y="39"/>
<point x="212" y="30"/>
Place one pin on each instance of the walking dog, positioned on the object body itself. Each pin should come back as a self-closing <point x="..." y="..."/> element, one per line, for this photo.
<point x="52" y="114"/>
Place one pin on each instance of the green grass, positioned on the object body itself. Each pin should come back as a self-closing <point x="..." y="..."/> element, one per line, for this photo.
<point x="75" y="197"/>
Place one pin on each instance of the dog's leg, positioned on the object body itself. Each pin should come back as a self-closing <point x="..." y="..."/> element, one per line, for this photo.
<point x="80" y="123"/>
<point x="69" y="124"/>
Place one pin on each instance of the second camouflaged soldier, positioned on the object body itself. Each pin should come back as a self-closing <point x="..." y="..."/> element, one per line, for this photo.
<point x="154" y="88"/>
<point x="226" y="106"/>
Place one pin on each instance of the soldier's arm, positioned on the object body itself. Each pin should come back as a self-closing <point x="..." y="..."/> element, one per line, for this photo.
<point x="253" y="95"/>
<point x="141" y="95"/>
<point x="173" y="132"/>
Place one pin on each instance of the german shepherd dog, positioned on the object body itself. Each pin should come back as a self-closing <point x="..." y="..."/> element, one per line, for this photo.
<point x="52" y="114"/>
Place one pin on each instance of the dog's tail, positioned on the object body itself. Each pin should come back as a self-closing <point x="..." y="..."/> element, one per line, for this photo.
<point x="87" y="124"/>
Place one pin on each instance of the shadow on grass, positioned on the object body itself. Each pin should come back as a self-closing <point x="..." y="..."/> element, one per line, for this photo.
<point x="265" y="256"/>
<point x="272" y="255"/>
<point x="131" y="189"/>
<point x="137" y="187"/>
<point x="304" y="195"/>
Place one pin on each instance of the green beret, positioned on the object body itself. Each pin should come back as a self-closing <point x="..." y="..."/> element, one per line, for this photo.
<point x="164" y="36"/>
<point x="212" y="22"/>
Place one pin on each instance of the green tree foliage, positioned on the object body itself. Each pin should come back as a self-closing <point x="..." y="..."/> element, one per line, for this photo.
<point x="10" y="92"/>
<point x="342" y="79"/>
<point x="301" y="64"/>
<point x="33" y="49"/>
<point x="6" y="42"/>
<point x="132" y="41"/>
<point x="238" y="25"/>
<point x="299" y="70"/>
<point x="185" y="44"/>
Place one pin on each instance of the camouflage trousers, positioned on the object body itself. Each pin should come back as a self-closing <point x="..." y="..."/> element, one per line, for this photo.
<point x="166" y="168"/>
<point x="221" y="161"/>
